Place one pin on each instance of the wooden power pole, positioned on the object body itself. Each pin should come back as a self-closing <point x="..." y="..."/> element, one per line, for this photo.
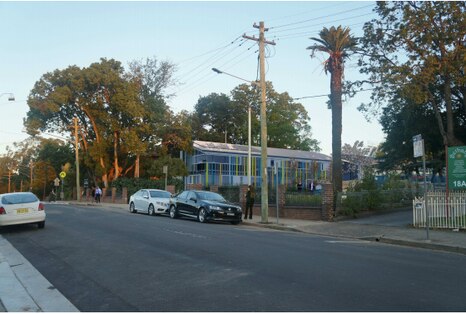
<point x="76" y="141"/>
<point x="264" y="176"/>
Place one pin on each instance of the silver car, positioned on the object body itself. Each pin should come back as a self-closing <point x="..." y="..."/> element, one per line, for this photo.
<point x="150" y="201"/>
<point x="21" y="208"/>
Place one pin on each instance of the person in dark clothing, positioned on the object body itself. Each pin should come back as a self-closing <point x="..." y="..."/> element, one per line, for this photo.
<point x="249" y="202"/>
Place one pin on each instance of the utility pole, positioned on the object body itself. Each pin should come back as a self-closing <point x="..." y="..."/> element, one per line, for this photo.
<point x="264" y="184"/>
<point x="76" y="142"/>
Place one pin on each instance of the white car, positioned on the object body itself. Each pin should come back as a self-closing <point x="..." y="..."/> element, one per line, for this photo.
<point x="21" y="208"/>
<point x="150" y="201"/>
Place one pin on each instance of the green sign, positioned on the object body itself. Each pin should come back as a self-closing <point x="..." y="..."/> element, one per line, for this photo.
<point x="457" y="167"/>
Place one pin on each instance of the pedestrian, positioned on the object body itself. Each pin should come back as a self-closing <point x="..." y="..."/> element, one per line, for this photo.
<point x="98" y="193"/>
<point x="93" y="193"/>
<point x="249" y="202"/>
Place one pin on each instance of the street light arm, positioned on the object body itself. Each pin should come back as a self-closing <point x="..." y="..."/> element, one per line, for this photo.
<point x="240" y="78"/>
<point x="10" y="98"/>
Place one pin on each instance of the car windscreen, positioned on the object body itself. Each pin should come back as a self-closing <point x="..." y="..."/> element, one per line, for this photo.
<point x="211" y="196"/>
<point x="160" y="194"/>
<point x="19" y="199"/>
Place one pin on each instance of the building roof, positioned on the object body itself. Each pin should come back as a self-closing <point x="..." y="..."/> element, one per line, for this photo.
<point x="255" y="150"/>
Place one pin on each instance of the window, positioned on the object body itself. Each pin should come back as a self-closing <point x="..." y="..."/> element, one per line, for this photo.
<point x="20" y="198"/>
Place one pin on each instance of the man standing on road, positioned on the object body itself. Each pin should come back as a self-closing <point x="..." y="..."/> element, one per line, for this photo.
<point x="249" y="202"/>
<point x="98" y="193"/>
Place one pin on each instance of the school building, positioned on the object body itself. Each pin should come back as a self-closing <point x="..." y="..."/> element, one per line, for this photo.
<point x="225" y="164"/>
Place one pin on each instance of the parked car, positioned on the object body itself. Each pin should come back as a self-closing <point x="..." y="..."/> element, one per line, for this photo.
<point x="204" y="206"/>
<point x="150" y="201"/>
<point x="21" y="208"/>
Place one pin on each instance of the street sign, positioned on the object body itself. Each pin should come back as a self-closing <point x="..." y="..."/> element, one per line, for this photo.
<point x="418" y="145"/>
<point x="56" y="182"/>
<point x="62" y="174"/>
<point x="457" y="167"/>
<point x="86" y="183"/>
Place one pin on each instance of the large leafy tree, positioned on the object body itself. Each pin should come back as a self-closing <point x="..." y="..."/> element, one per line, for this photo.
<point x="151" y="78"/>
<point x="416" y="50"/>
<point x="220" y="117"/>
<point x="118" y="113"/>
<point x="400" y="121"/>
<point x="338" y="44"/>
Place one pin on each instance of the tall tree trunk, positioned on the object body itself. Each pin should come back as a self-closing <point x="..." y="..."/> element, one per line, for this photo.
<point x="115" y="154"/>
<point x="336" y="103"/>
<point x="136" y="169"/>
<point x="97" y="138"/>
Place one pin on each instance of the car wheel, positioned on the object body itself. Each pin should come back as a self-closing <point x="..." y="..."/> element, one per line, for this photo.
<point x="201" y="215"/>
<point x="173" y="212"/>
<point x="151" y="210"/>
<point x="41" y="224"/>
<point x="131" y="208"/>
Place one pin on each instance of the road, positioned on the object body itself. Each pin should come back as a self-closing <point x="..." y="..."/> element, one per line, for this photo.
<point x="110" y="260"/>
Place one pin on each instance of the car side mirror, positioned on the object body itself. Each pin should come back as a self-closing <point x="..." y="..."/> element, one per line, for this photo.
<point x="193" y="199"/>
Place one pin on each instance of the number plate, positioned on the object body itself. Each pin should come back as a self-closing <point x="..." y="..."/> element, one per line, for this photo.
<point x="230" y="214"/>
<point x="22" y="211"/>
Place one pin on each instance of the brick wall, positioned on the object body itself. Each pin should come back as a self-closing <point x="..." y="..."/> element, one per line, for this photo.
<point x="327" y="202"/>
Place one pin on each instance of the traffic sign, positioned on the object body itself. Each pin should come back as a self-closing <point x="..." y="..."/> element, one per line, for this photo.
<point x="62" y="174"/>
<point x="56" y="182"/>
<point x="418" y="145"/>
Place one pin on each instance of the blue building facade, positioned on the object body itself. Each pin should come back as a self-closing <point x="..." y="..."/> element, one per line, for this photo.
<point x="225" y="164"/>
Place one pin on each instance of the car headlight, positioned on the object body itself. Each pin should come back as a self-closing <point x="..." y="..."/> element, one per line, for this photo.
<point x="214" y="207"/>
<point x="239" y="209"/>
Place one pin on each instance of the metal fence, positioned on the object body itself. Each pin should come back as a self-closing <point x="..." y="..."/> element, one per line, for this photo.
<point x="445" y="210"/>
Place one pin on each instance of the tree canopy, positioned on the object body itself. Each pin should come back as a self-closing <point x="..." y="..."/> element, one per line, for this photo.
<point x="223" y="118"/>
<point x="416" y="51"/>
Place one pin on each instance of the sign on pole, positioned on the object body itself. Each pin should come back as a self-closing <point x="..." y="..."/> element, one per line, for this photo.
<point x="56" y="182"/>
<point x="418" y="145"/>
<point x="457" y="167"/>
<point x="62" y="174"/>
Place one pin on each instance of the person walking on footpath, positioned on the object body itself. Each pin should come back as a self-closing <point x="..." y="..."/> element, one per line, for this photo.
<point x="249" y="202"/>
<point x="98" y="193"/>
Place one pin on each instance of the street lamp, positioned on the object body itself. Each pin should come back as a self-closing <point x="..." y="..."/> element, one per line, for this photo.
<point x="249" y="120"/>
<point x="11" y="97"/>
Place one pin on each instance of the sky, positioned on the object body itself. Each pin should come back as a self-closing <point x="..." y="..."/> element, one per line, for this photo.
<point x="40" y="37"/>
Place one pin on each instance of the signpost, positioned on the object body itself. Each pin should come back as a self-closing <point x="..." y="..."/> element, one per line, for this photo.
<point x="418" y="146"/>
<point x="457" y="168"/>
<point x="62" y="176"/>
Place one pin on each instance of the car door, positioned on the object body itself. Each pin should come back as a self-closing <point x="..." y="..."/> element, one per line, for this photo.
<point x="180" y="200"/>
<point x="138" y="200"/>
<point x="144" y="201"/>
<point x="191" y="203"/>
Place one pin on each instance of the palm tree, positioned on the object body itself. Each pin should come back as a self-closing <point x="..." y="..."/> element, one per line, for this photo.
<point x="338" y="44"/>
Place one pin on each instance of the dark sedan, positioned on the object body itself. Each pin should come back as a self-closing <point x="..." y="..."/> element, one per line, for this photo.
<point x="204" y="206"/>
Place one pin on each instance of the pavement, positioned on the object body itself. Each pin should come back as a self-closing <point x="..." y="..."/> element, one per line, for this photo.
<point x="24" y="289"/>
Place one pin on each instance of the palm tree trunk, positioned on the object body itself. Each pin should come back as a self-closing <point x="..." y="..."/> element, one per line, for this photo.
<point x="336" y="103"/>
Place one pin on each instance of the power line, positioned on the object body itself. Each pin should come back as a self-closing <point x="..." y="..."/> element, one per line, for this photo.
<point x="320" y="17"/>
<point x="326" y="95"/>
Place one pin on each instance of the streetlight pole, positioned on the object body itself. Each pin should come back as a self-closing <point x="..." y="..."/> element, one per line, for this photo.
<point x="249" y="120"/>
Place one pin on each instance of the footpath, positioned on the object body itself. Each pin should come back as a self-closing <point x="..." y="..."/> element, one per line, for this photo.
<point x="24" y="289"/>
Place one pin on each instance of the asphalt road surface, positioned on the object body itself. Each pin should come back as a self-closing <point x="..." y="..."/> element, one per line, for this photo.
<point x="109" y="260"/>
